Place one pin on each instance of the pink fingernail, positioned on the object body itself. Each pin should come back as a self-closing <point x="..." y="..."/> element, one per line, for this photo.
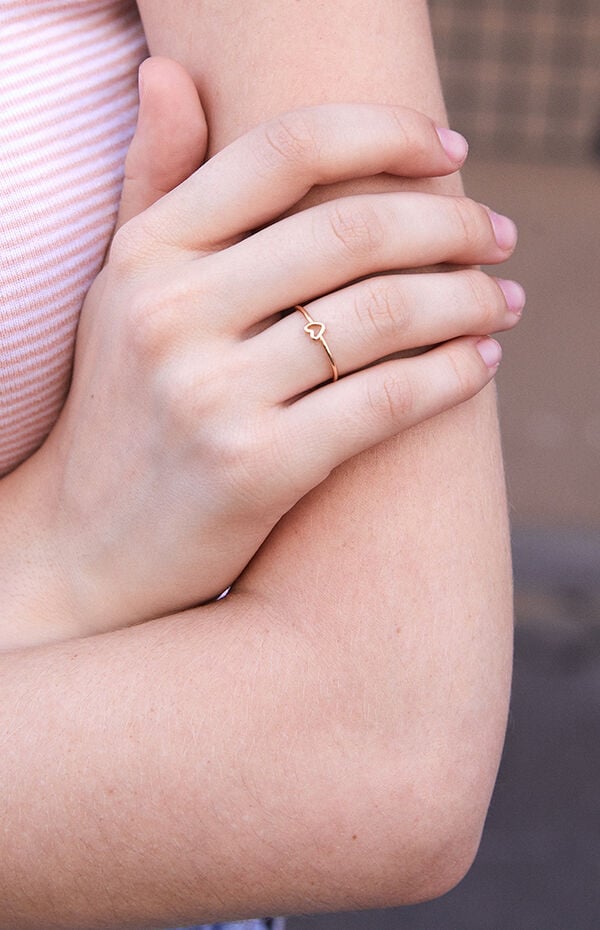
<point x="490" y="351"/>
<point x="455" y="146"/>
<point x="505" y="230"/>
<point x="514" y="295"/>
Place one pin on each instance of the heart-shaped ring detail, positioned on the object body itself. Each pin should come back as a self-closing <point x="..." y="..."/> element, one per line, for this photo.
<point x="315" y="330"/>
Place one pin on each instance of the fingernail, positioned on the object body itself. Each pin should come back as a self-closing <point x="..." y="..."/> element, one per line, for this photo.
<point x="490" y="351"/>
<point x="505" y="230"/>
<point x="455" y="146"/>
<point x="514" y="295"/>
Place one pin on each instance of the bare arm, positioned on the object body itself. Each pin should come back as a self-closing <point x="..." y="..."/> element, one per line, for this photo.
<point x="222" y="762"/>
<point x="400" y="560"/>
<point x="328" y="736"/>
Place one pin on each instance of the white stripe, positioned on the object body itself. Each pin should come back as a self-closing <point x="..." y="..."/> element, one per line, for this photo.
<point x="62" y="149"/>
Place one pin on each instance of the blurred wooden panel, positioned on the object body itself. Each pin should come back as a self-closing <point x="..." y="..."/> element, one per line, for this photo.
<point x="522" y="77"/>
<point x="549" y="381"/>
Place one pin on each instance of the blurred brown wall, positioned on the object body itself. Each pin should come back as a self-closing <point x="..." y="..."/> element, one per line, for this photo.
<point x="521" y="76"/>
<point x="522" y="83"/>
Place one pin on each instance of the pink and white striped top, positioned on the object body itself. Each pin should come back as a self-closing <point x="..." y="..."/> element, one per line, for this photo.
<point x="68" y="104"/>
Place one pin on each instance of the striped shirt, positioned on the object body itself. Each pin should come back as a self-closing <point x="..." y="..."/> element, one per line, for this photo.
<point x="68" y="104"/>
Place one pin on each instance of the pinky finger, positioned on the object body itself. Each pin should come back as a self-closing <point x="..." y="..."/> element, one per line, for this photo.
<point x="341" y="419"/>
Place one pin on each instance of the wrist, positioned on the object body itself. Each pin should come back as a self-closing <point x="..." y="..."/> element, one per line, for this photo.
<point x="34" y="602"/>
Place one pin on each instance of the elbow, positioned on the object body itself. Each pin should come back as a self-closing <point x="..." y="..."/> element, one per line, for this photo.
<point x="395" y="835"/>
<point x="448" y="816"/>
<point x="429" y="825"/>
<point x="442" y="864"/>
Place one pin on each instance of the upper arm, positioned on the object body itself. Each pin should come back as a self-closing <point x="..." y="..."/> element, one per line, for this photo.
<point x="256" y="59"/>
<point x="398" y="565"/>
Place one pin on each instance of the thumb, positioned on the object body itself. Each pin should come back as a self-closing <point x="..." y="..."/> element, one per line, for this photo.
<point x="170" y="138"/>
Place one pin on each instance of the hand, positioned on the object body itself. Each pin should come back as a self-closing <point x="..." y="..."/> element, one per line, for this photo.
<point x="168" y="145"/>
<point x="195" y="418"/>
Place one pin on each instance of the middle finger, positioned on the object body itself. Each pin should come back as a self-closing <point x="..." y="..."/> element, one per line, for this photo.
<point x="325" y="247"/>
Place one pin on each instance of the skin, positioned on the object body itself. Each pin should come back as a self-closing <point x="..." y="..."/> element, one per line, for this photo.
<point x="424" y="514"/>
<point x="211" y="456"/>
<point x="406" y="545"/>
<point x="383" y="704"/>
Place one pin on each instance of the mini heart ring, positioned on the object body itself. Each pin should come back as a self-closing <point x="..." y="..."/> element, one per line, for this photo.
<point x="315" y="330"/>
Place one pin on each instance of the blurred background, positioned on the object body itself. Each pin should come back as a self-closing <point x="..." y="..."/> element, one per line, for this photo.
<point x="521" y="79"/>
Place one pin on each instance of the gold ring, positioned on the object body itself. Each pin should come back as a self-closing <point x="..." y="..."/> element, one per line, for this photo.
<point x="315" y="330"/>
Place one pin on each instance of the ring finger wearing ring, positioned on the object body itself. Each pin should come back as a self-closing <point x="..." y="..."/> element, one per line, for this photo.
<point x="316" y="331"/>
<point x="360" y="324"/>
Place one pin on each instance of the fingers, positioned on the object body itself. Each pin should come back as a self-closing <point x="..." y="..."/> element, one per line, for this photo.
<point x="335" y="422"/>
<point x="170" y="138"/>
<point x="327" y="246"/>
<point x="264" y="172"/>
<point x="378" y="317"/>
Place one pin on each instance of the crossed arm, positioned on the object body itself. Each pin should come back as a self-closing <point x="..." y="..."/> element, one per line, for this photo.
<point x="398" y="565"/>
<point x="328" y="735"/>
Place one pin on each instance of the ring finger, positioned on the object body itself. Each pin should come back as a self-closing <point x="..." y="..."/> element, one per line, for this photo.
<point x="377" y="317"/>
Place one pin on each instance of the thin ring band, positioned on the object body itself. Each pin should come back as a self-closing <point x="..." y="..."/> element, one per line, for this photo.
<point x="315" y="330"/>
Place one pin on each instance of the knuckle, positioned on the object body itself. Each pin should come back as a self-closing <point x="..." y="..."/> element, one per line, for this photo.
<point x="242" y="451"/>
<point x="401" y="118"/>
<point x="183" y="401"/>
<point x="244" y="457"/>
<point x="383" y="309"/>
<point x="148" y="324"/>
<point x="462" y="375"/>
<point x="129" y="246"/>
<point x="159" y="318"/>
<point x="392" y="398"/>
<point x="356" y="226"/>
<point x="193" y="398"/>
<point x="290" y="138"/>
<point x="123" y="248"/>
<point x="467" y="222"/>
<point x="485" y="297"/>
<point x="481" y="293"/>
<point x="477" y="286"/>
<point x="413" y="141"/>
<point x="198" y="400"/>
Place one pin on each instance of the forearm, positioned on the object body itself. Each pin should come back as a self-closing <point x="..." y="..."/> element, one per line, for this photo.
<point x="34" y="608"/>
<point x="256" y="61"/>
<point x="210" y="764"/>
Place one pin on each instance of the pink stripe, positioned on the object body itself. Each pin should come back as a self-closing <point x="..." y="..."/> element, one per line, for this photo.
<point x="34" y="419"/>
<point x="94" y="133"/>
<point x="40" y="406"/>
<point x="25" y="361"/>
<point x="58" y="17"/>
<point x="65" y="120"/>
<point x="43" y="224"/>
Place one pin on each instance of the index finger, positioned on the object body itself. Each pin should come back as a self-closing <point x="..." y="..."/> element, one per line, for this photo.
<point x="269" y="169"/>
